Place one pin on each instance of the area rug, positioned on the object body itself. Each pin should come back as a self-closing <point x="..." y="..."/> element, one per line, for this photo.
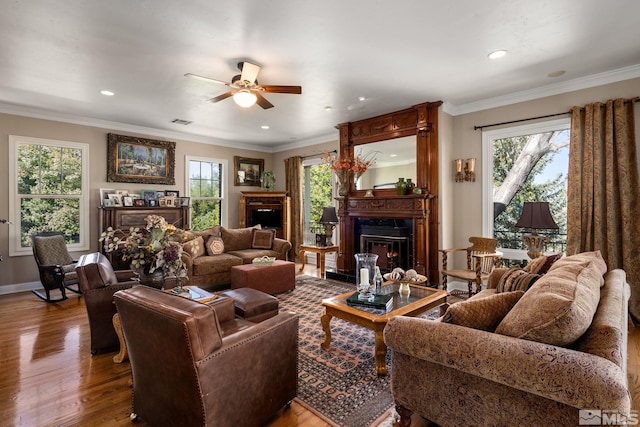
<point x="340" y="385"/>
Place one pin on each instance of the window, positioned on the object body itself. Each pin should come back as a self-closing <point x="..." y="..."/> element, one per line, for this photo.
<point x="317" y="195"/>
<point x="49" y="191"/>
<point x="525" y="164"/>
<point x="207" y="189"/>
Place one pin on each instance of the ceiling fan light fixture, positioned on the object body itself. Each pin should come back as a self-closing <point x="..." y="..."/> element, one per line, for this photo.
<point x="245" y="98"/>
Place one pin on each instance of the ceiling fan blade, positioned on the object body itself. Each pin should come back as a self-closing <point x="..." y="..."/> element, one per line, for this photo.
<point x="282" y="89"/>
<point x="223" y="96"/>
<point x="206" y="79"/>
<point x="262" y="101"/>
<point x="249" y="72"/>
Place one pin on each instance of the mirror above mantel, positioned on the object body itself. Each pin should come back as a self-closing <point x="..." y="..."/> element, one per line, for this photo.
<point x="394" y="158"/>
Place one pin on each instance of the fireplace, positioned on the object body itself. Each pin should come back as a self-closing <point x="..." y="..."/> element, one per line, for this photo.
<point x="390" y="239"/>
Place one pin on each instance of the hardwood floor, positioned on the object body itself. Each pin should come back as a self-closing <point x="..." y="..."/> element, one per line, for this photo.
<point x="49" y="378"/>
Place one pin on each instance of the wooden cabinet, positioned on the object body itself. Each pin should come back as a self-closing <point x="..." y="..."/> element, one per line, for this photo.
<point x="123" y="218"/>
<point x="270" y="209"/>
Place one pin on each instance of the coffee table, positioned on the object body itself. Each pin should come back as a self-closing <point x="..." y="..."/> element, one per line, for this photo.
<point x="419" y="301"/>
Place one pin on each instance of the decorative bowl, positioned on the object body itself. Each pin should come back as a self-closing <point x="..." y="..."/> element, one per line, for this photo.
<point x="264" y="261"/>
<point x="421" y="279"/>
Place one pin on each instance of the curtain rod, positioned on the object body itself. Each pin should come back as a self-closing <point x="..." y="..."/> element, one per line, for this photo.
<point x="636" y="99"/>
<point x="318" y="154"/>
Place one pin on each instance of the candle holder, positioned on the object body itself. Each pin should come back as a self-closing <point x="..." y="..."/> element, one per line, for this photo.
<point x="365" y="275"/>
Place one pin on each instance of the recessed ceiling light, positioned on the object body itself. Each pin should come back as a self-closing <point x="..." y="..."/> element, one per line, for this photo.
<point x="393" y="155"/>
<point x="361" y="98"/>
<point x="497" y="54"/>
<point x="107" y="93"/>
<point x="264" y="127"/>
<point x="328" y="108"/>
<point x="556" y="73"/>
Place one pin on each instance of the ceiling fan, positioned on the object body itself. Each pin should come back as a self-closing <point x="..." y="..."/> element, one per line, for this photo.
<point x="245" y="89"/>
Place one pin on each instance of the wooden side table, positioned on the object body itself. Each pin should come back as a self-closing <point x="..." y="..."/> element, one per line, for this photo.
<point x="320" y="252"/>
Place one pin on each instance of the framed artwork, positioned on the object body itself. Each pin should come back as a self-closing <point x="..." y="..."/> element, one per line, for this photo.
<point x="104" y="195"/>
<point x="127" y="201"/>
<point x="139" y="202"/>
<point x="116" y="199"/>
<point x="247" y="171"/>
<point x="184" y="201"/>
<point x="148" y="195"/>
<point x="140" y="160"/>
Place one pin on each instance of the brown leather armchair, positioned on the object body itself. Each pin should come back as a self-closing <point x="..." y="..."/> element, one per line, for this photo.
<point x="99" y="282"/>
<point x="199" y="364"/>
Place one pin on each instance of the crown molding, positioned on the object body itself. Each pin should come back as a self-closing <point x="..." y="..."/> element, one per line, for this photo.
<point x="19" y="110"/>
<point x="321" y="139"/>
<point x="594" y="80"/>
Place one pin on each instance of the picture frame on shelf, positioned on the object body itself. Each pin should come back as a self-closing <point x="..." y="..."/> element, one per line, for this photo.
<point x="160" y="194"/>
<point x="152" y="203"/>
<point x="148" y="195"/>
<point x="139" y="202"/>
<point x="116" y="199"/>
<point x="104" y="194"/>
<point x="107" y="203"/>
<point x="127" y="201"/>
<point x="172" y="193"/>
<point x="172" y="202"/>
<point x="140" y="160"/>
<point x="184" y="201"/>
<point x="247" y="172"/>
<point x="162" y="202"/>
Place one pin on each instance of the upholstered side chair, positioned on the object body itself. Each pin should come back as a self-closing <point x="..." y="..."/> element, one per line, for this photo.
<point x="99" y="282"/>
<point x="482" y="258"/>
<point x="56" y="267"/>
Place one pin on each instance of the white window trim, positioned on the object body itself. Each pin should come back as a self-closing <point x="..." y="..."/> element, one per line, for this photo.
<point x="487" y="171"/>
<point x="15" y="248"/>
<point x="224" y="211"/>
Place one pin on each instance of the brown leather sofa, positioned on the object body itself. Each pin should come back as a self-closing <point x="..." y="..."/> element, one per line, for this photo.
<point x="98" y="282"/>
<point x="199" y="364"/>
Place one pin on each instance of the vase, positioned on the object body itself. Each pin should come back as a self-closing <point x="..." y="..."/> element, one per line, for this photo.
<point x="153" y="280"/>
<point x="344" y="182"/>
<point x="365" y="274"/>
<point x="401" y="187"/>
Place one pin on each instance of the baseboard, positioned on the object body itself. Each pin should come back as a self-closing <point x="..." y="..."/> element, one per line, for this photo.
<point x="20" y="287"/>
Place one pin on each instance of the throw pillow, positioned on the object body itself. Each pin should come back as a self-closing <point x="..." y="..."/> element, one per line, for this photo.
<point x="237" y="239"/>
<point x="215" y="245"/>
<point x="482" y="313"/>
<point x="516" y="279"/>
<point x="262" y="239"/>
<point x="558" y="308"/>
<point x="580" y="258"/>
<point x="542" y="264"/>
<point x="194" y="247"/>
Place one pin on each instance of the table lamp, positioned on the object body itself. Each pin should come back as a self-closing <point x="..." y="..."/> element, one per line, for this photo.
<point x="535" y="216"/>
<point x="329" y="220"/>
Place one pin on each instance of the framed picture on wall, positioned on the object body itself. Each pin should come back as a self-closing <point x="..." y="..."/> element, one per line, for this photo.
<point x="140" y="160"/>
<point x="247" y="171"/>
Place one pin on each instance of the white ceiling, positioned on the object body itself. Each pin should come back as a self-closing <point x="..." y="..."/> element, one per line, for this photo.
<point x="56" y="56"/>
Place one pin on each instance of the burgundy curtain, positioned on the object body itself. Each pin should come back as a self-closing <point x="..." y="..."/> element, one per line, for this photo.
<point x="603" y="210"/>
<point x="293" y="172"/>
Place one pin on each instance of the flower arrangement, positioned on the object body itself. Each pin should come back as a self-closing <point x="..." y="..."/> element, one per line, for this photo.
<point x="356" y="165"/>
<point x="157" y="246"/>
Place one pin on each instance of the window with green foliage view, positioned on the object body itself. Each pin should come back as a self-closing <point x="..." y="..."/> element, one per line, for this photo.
<point x="206" y="184"/>
<point x="317" y="195"/>
<point x="50" y="189"/>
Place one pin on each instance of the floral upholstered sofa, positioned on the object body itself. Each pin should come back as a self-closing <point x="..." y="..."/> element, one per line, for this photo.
<point x="209" y="254"/>
<point x="546" y="355"/>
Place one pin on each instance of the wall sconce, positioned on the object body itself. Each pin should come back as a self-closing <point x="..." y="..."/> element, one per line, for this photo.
<point x="465" y="171"/>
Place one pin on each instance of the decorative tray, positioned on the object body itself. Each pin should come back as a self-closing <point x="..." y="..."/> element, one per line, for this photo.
<point x="264" y="261"/>
<point x="421" y="279"/>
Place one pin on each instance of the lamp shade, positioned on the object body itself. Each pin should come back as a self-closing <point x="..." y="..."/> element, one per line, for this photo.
<point x="329" y="216"/>
<point x="244" y="98"/>
<point x="536" y="216"/>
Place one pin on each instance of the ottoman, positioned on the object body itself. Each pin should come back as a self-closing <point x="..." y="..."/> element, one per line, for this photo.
<point x="279" y="277"/>
<point x="253" y="305"/>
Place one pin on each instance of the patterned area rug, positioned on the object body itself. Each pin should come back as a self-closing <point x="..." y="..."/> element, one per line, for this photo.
<point x="340" y="384"/>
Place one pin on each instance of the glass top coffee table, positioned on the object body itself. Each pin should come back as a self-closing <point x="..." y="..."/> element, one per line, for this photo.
<point x="420" y="300"/>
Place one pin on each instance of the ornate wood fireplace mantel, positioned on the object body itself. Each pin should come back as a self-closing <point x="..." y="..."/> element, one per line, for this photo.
<point x="414" y="208"/>
<point x="421" y="210"/>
